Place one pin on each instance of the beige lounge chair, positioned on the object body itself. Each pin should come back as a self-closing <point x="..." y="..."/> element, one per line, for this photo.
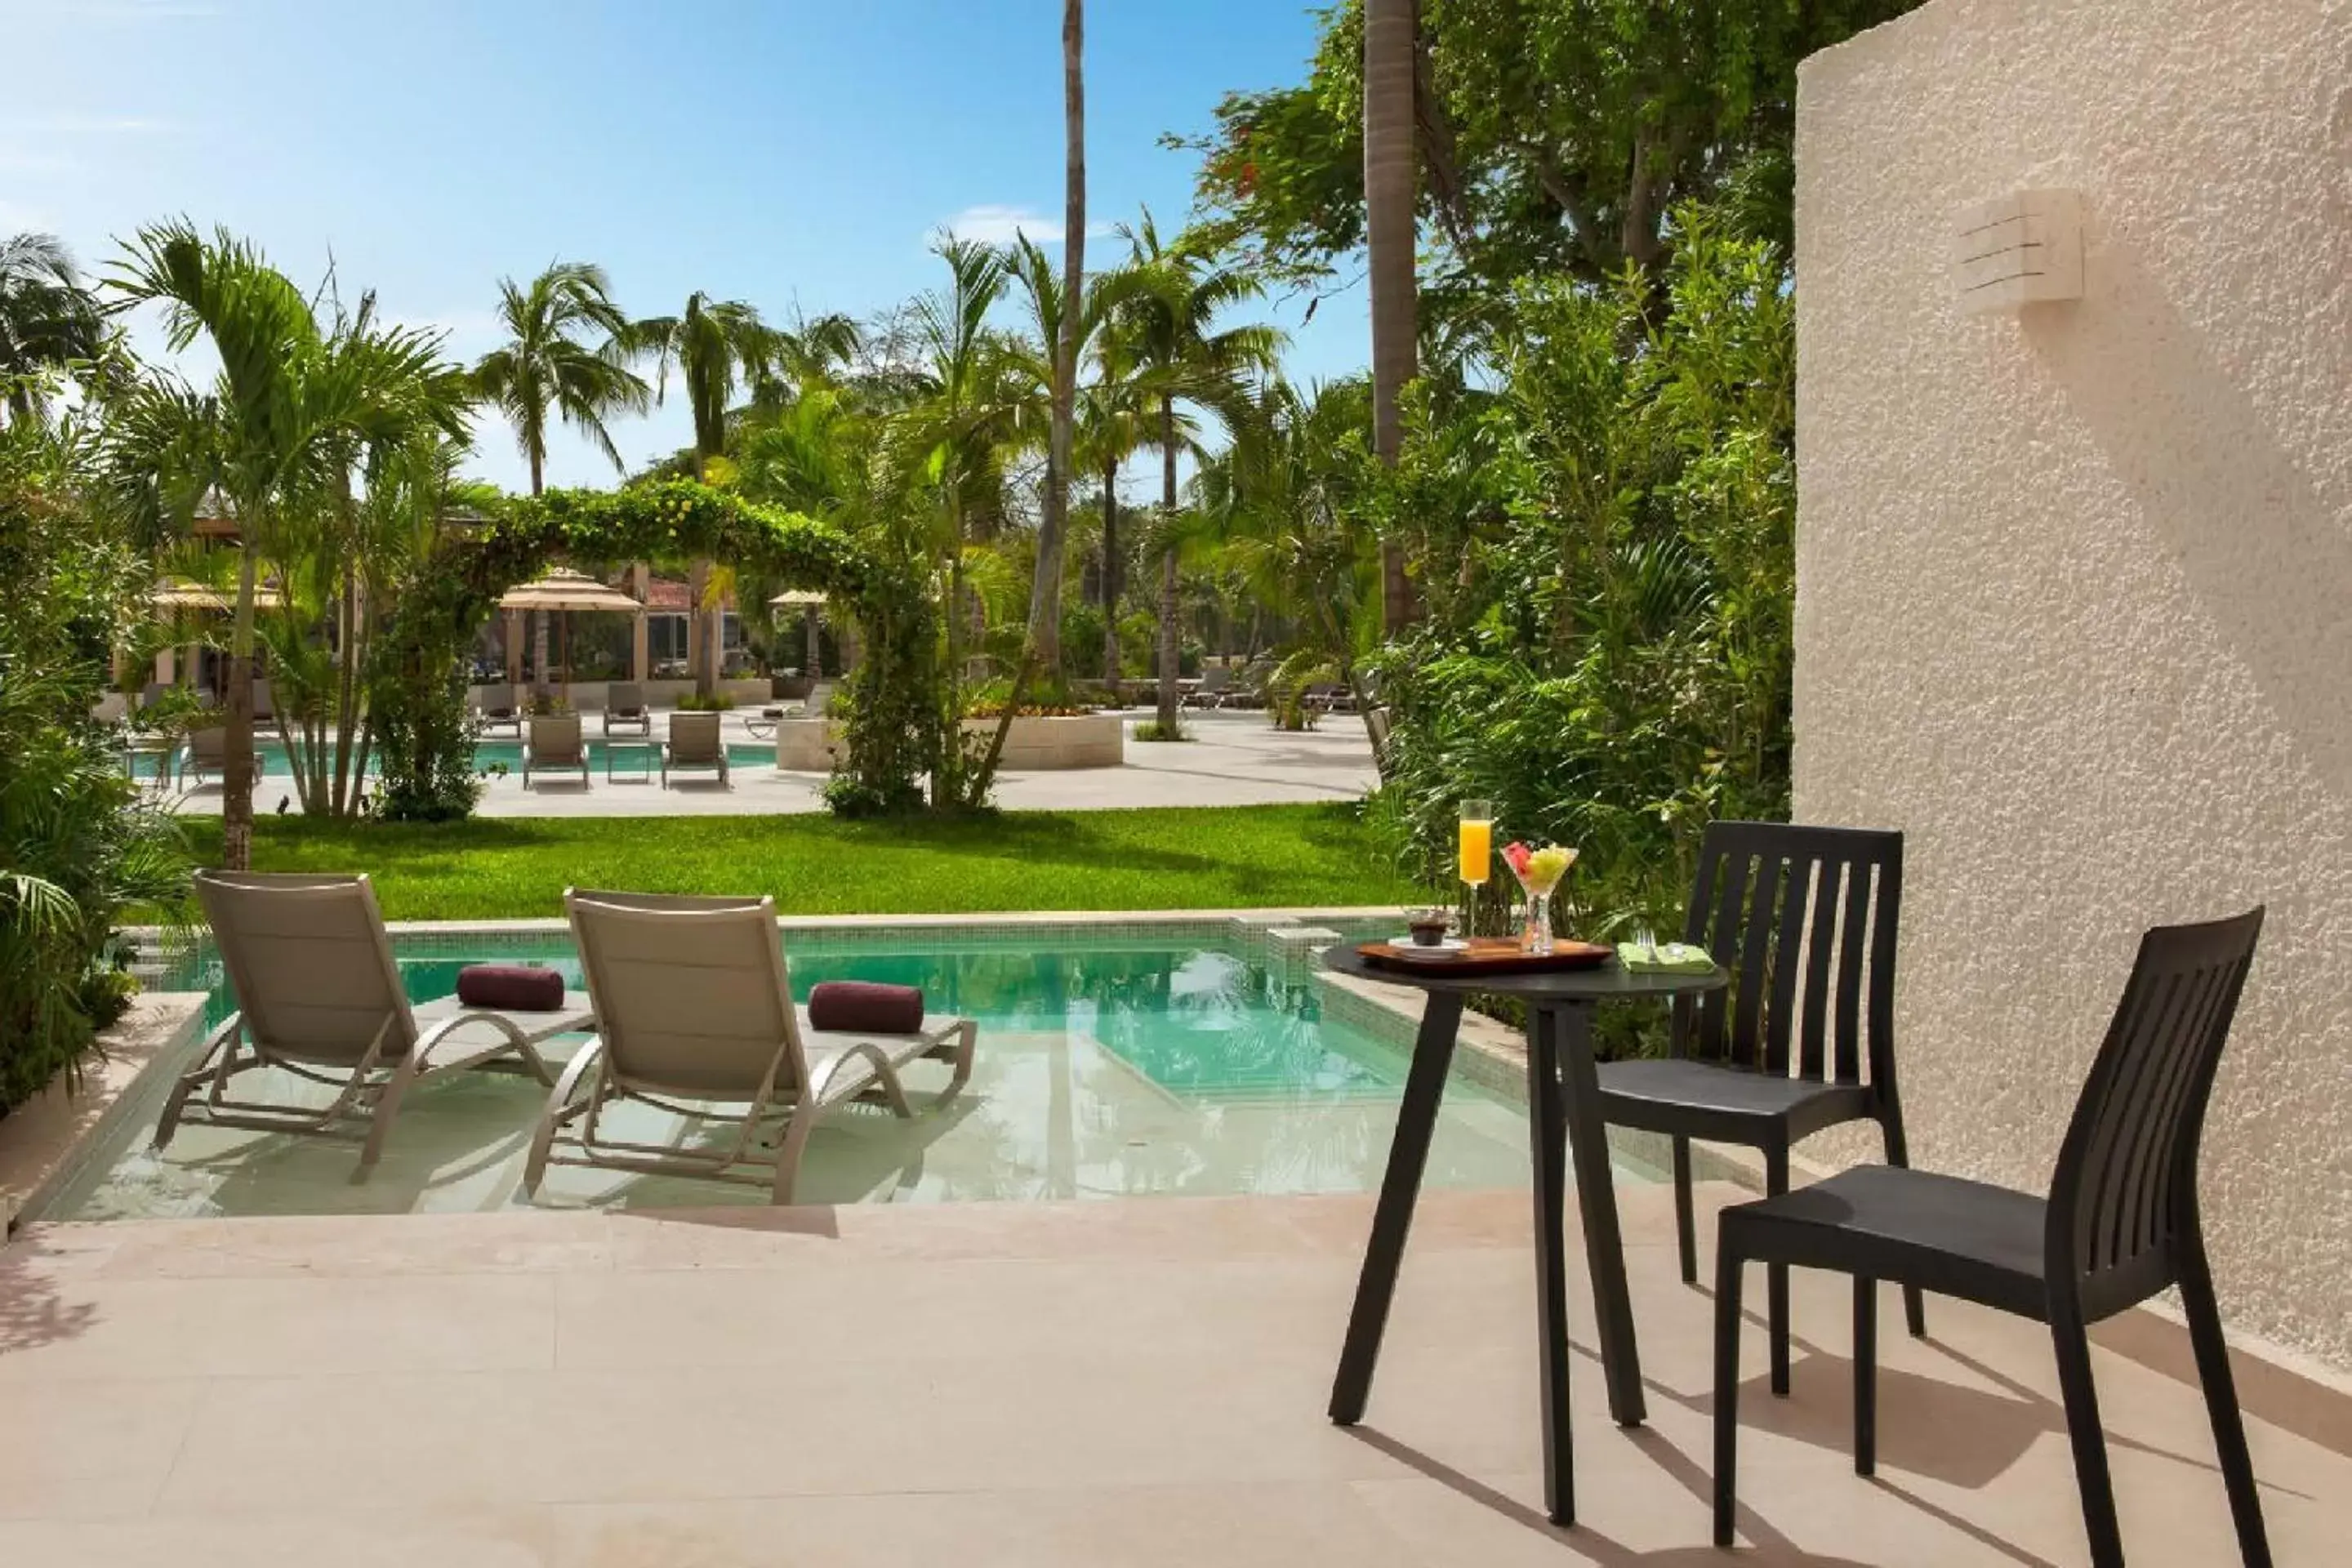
<point x="319" y="995"/>
<point x="695" y="1013"/>
<point x="695" y="742"/>
<point x="498" y="711"/>
<point x="204" y="752"/>
<point x="554" y="744"/>
<point x="625" y="710"/>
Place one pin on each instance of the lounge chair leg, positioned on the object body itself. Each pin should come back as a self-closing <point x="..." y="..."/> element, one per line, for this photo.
<point x="1685" y="1223"/>
<point x="387" y="1106"/>
<point x="1726" y="1390"/>
<point x="559" y="1111"/>
<point x="789" y="1152"/>
<point x="216" y="1055"/>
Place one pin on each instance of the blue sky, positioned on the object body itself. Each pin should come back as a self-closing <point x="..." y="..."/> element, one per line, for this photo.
<point x="791" y="152"/>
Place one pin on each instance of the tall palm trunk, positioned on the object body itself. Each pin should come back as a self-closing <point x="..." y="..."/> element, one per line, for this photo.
<point x="538" y="618"/>
<point x="237" y="771"/>
<point x="1168" y="650"/>
<point x="1390" y="46"/>
<point x="1052" y="527"/>
<point x="700" y="655"/>
<point x="1110" y="576"/>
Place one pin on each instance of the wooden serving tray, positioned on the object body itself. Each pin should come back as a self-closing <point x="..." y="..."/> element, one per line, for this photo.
<point x="1488" y="955"/>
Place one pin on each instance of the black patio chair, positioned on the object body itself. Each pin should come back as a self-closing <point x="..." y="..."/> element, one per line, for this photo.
<point x="1803" y="1039"/>
<point x="2120" y="1225"/>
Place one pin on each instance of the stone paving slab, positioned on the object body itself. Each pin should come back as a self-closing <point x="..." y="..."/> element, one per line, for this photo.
<point x="1029" y="1384"/>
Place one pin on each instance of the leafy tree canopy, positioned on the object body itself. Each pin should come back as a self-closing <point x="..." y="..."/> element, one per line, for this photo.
<point x="1555" y="135"/>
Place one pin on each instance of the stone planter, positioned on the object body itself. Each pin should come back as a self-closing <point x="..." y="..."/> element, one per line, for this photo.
<point x="1032" y="745"/>
<point x="807" y="745"/>
<point x="1046" y="744"/>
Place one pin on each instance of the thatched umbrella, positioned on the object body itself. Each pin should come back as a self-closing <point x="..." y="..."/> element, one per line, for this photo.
<point x="564" y="590"/>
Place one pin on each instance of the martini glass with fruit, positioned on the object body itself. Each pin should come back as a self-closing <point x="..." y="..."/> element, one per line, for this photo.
<point x="1538" y="868"/>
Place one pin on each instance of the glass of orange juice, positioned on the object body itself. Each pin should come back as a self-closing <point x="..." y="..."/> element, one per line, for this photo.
<point x="1476" y="843"/>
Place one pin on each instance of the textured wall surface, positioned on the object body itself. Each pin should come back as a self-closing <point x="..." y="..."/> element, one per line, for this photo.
<point x="2074" y="584"/>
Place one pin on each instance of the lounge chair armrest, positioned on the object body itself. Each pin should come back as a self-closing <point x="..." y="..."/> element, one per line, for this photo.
<point x="820" y="1087"/>
<point x="582" y="1063"/>
<point x="446" y="1026"/>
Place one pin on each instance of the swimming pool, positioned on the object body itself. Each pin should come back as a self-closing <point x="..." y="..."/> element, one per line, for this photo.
<point x="269" y="756"/>
<point x="1171" y="1058"/>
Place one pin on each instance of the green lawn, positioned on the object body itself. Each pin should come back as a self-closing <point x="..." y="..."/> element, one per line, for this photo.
<point x="507" y="868"/>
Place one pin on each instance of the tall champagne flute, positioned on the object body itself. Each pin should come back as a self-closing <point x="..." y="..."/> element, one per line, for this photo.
<point x="1475" y="845"/>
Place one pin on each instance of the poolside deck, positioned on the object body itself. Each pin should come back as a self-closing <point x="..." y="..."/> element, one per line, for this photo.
<point x="1135" y="1382"/>
<point x="1235" y="759"/>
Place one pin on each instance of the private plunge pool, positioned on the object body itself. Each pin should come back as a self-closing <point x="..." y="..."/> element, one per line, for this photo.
<point x="1117" y="1058"/>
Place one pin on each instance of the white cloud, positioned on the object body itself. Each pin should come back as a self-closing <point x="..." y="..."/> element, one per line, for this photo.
<point x="992" y="224"/>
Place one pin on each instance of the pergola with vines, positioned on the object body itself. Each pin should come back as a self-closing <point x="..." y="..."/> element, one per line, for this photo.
<point x="892" y="701"/>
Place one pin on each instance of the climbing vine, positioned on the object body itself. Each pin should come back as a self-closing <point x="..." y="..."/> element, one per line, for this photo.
<point x="890" y="726"/>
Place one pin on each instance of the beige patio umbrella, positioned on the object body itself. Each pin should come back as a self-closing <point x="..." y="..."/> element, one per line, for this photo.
<point x="810" y="601"/>
<point x="179" y="594"/>
<point x="563" y="591"/>
<point x="173" y="596"/>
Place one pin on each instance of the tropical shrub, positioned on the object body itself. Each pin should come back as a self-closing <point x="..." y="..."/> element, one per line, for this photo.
<point x="1608" y="654"/>
<point x="78" y="844"/>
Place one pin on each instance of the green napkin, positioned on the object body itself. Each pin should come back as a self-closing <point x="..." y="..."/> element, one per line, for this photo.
<point x="1664" y="955"/>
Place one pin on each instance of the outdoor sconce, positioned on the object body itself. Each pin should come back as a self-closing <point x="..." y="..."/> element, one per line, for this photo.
<point x="2018" y="250"/>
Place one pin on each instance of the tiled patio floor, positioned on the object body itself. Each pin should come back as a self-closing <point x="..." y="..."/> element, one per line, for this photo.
<point x="1138" y="1381"/>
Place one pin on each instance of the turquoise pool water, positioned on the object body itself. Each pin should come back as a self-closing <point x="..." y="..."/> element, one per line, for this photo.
<point x="1107" y="1066"/>
<point x="270" y="756"/>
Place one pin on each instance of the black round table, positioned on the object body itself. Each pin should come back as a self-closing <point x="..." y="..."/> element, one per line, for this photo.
<point x="1563" y="1123"/>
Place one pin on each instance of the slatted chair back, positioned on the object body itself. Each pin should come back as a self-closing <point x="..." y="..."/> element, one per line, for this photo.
<point x="1804" y="920"/>
<point x="691" y="993"/>
<point x="312" y="966"/>
<point x="2124" y="1199"/>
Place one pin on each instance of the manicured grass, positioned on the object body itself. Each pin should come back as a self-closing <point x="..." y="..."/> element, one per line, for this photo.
<point x="508" y="869"/>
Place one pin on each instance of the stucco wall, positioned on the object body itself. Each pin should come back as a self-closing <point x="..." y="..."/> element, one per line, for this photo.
<point x="2074" y="585"/>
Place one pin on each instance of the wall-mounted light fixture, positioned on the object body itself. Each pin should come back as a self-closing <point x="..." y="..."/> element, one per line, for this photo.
<point x="2019" y="250"/>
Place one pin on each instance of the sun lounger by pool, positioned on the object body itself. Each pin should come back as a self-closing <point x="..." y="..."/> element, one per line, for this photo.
<point x="204" y="759"/>
<point x="319" y="996"/>
<point x="696" y="1017"/>
<point x="499" y="713"/>
<point x="555" y="745"/>
<point x="625" y="710"/>
<point x="695" y="743"/>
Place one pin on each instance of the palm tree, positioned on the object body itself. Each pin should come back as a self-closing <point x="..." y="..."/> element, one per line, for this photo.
<point x="1282" y="499"/>
<point x="274" y="434"/>
<point x="1053" y="527"/>
<point x="971" y="405"/>
<point x="1182" y="356"/>
<point x="549" y="362"/>
<point x="1391" y="57"/>
<point x="717" y="346"/>
<point x="565" y="353"/>
<point x="47" y="319"/>
<point x="1111" y="429"/>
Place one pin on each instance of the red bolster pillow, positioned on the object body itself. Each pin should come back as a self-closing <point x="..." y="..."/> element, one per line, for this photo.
<point x="514" y="987"/>
<point x="864" y="1007"/>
